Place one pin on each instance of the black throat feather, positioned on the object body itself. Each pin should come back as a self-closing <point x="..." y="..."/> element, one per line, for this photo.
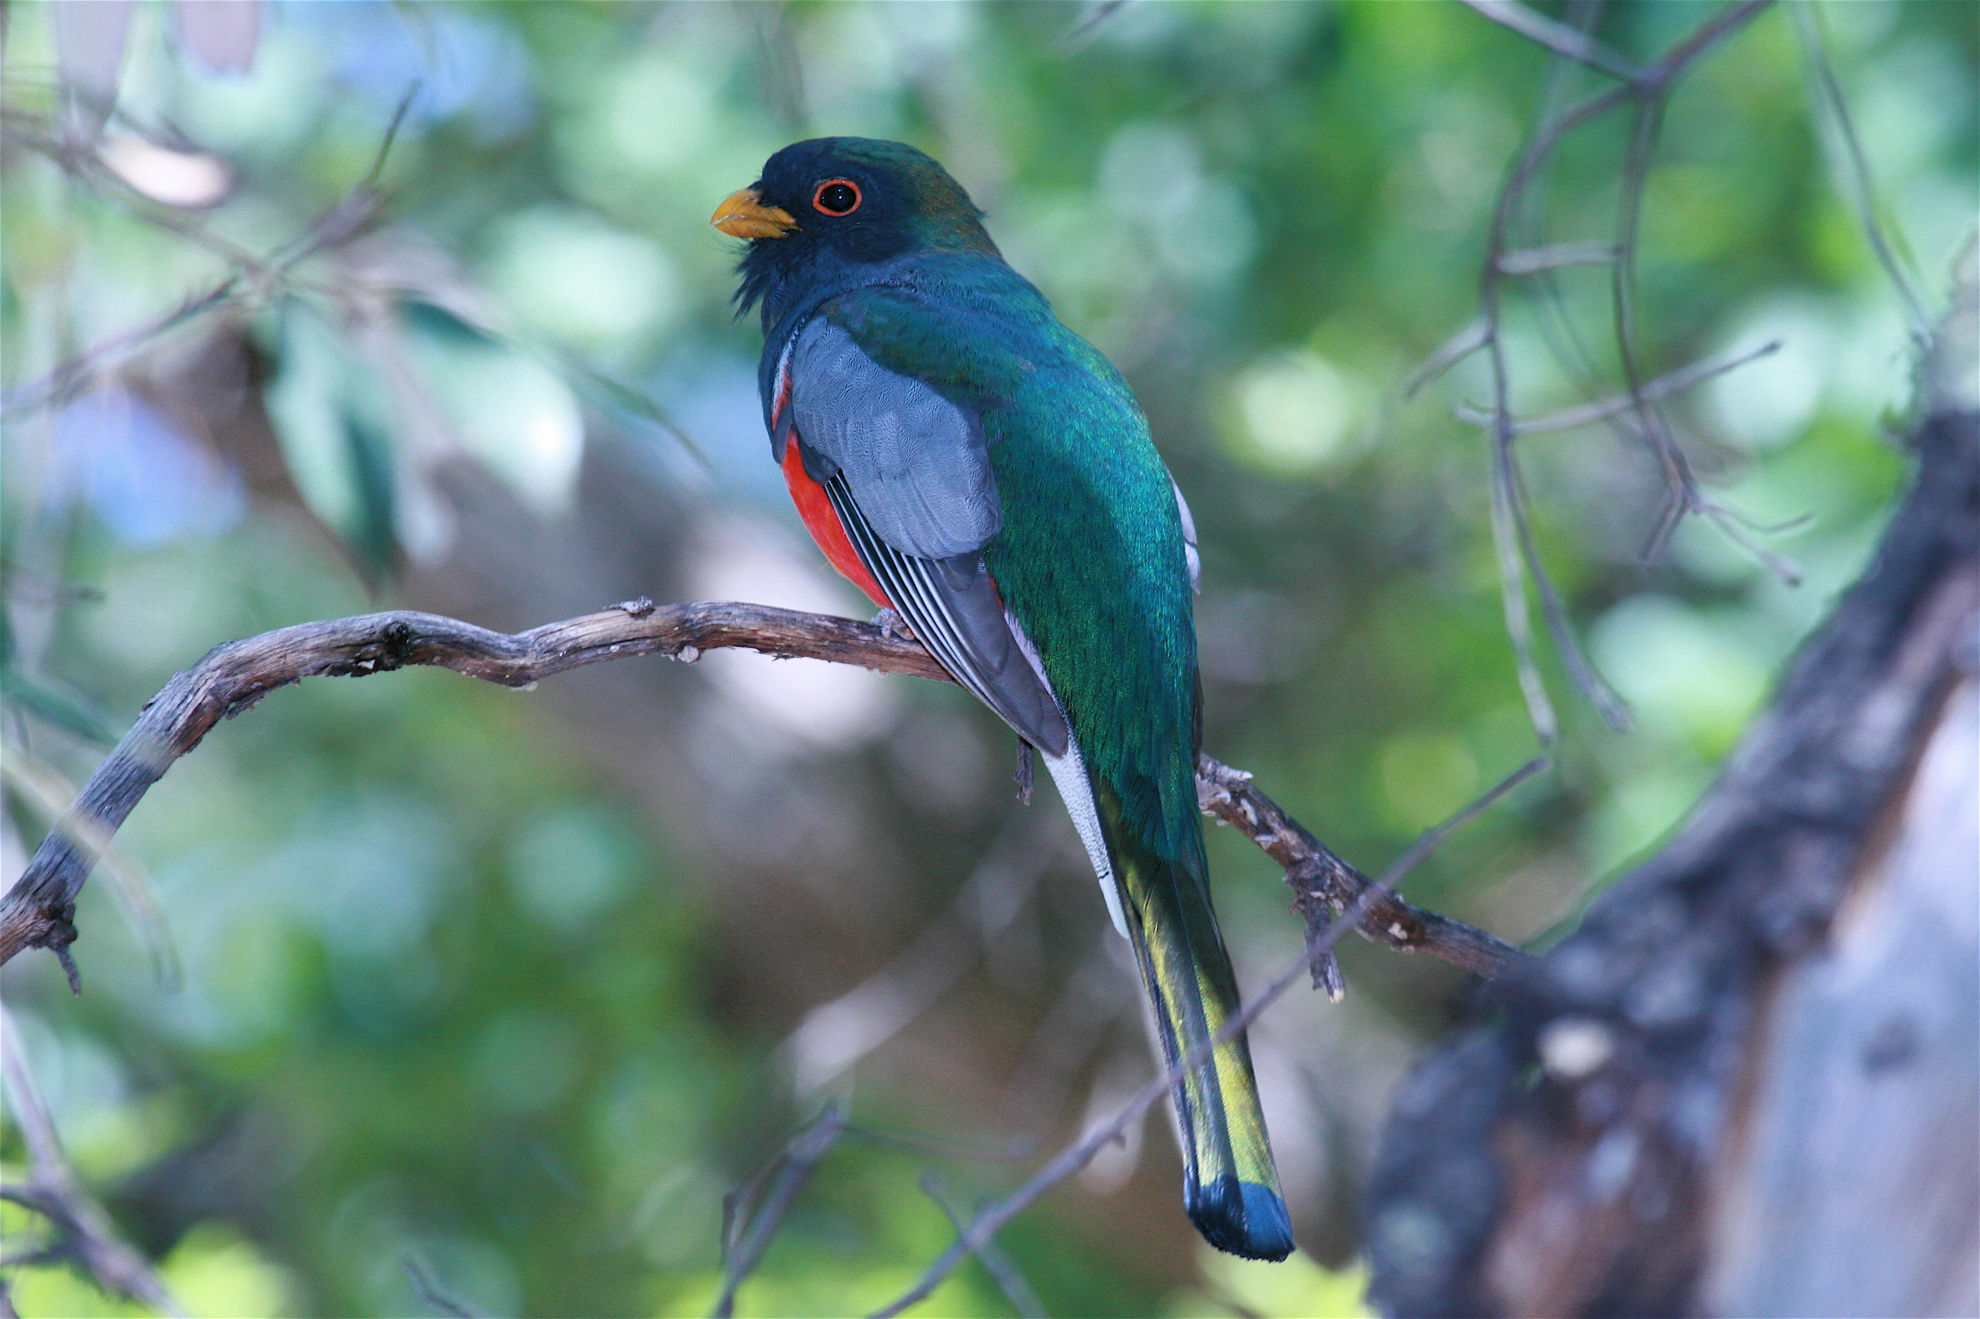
<point x="764" y="277"/>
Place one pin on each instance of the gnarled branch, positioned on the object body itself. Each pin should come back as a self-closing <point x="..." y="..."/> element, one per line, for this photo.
<point x="39" y="910"/>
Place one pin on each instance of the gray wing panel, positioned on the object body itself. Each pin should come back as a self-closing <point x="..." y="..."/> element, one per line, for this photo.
<point x="916" y="464"/>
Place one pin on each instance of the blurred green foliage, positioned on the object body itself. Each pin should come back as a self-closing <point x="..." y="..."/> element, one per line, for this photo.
<point x="516" y="986"/>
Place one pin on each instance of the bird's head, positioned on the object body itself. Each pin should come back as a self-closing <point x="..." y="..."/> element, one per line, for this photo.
<point x="828" y="206"/>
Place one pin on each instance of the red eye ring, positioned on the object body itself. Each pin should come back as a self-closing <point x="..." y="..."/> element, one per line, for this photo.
<point x="836" y="197"/>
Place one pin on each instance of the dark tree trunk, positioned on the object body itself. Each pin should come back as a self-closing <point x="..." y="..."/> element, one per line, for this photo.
<point x="1749" y="1084"/>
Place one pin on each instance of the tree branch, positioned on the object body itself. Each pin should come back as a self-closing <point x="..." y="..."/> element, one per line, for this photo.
<point x="1557" y="37"/>
<point x="752" y="1214"/>
<point x="83" y="1231"/>
<point x="1324" y="885"/>
<point x="39" y="910"/>
<point x="1646" y="89"/>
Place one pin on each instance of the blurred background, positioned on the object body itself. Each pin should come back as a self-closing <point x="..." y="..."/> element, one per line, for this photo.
<point x="520" y="986"/>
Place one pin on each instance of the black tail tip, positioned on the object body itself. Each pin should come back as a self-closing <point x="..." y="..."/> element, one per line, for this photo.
<point x="1241" y="1218"/>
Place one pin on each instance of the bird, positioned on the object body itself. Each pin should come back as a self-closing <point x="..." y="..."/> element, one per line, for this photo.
<point x="969" y="462"/>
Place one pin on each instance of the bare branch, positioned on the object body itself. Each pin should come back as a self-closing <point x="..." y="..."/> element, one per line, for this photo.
<point x="250" y="277"/>
<point x="49" y="794"/>
<point x="84" y="1232"/>
<point x="1326" y="885"/>
<point x="1449" y="353"/>
<point x="424" y="1288"/>
<point x="1518" y="553"/>
<point x="1664" y="386"/>
<point x="1556" y="256"/>
<point x="1009" y="1279"/>
<point x="787" y="1174"/>
<point x="232" y="677"/>
<point x="1847" y="158"/>
<point x="38" y="911"/>
<point x="1557" y="37"/>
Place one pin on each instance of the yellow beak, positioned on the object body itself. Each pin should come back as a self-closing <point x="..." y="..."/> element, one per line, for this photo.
<point x="743" y="215"/>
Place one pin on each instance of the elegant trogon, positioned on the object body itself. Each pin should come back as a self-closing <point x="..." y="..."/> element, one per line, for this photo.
<point x="970" y="462"/>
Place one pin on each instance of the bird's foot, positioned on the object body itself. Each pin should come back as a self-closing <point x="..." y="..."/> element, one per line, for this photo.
<point x="892" y="625"/>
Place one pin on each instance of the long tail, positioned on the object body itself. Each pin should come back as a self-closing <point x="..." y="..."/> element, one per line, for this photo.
<point x="1230" y="1187"/>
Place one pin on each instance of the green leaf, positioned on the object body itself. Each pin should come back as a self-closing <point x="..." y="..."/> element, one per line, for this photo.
<point x="55" y="705"/>
<point x="328" y="411"/>
<point x="604" y="391"/>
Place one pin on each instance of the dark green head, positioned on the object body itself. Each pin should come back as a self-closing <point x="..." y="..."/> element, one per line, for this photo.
<point x="827" y="207"/>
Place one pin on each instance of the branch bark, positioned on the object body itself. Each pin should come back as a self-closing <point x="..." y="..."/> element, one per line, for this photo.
<point x="39" y="910"/>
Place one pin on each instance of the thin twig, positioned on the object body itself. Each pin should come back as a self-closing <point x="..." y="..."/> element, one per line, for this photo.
<point x="1077" y="1155"/>
<point x="1087" y="1008"/>
<point x="1088" y="23"/>
<point x="1707" y="35"/>
<point x="1447" y="355"/>
<point x="1644" y="131"/>
<point x="1732" y="525"/>
<point x="251" y="277"/>
<point x="89" y="169"/>
<point x="791" y="1170"/>
<point x="84" y="1232"/>
<point x="1509" y="522"/>
<point x="1593" y="687"/>
<point x="1846" y="157"/>
<point x="38" y="911"/>
<point x="1009" y="1278"/>
<point x="1021" y="1147"/>
<point x="1664" y="386"/>
<point x="1556" y="256"/>
<point x="426" y="1290"/>
<point x="1513" y="535"/>
<point x="77" y="373"/>
<point x="1556" y="323"/>
<point x="1557" y="37"/>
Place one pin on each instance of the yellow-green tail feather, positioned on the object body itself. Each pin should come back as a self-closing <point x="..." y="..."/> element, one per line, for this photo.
<point x="1231" y="1186"/>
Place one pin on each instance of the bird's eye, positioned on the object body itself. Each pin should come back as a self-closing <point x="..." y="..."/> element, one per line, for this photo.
<point x="836" y="197"/>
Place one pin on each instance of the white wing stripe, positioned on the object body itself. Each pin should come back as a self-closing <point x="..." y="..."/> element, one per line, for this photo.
<point x="908" y="585"/>
<point x="923" y="606"/>
<point x="1076" y="790"/>
<point x="1069" y="775"/>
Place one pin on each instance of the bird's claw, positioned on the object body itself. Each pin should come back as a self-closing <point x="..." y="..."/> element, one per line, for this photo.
<point x="892" y="625"/>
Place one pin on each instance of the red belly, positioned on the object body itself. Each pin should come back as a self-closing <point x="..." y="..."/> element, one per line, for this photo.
<point x="822" y="521"/>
